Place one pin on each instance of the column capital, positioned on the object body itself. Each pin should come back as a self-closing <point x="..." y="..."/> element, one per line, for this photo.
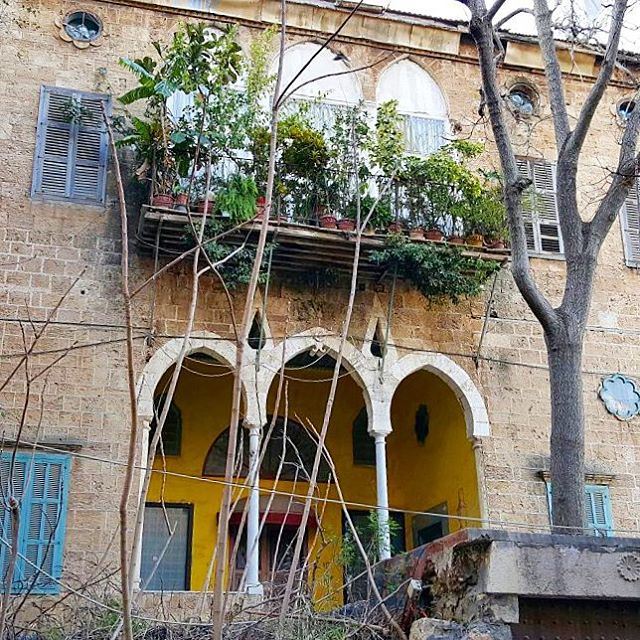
<point x="251" y="425"/>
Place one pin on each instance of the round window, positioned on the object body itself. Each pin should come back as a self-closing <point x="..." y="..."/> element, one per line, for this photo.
<point x="625" y="108"/>
<point x="522" y="100"/>
<point x="82" y="26"/>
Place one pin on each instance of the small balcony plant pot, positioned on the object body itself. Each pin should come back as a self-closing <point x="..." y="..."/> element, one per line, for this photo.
<point x="163" y="200"/>
<point x="416" y="233"/>
<point x="395" y="227"/>
<point x="455" y="240"/>
<point x="493" y="243"/>
<point x="474" y="240"/>
<point x="200" y="206"/>
<point x="346" y="224"/>
<point x="261" y="203"/>
<point x="327" y="221"/>
<point x="181" y="202"/>
<point x="433" y="234"/>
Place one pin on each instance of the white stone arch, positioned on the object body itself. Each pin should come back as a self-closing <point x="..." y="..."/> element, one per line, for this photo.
<point x="337" y="89"/>
<point x="456" y="378"/>
<point x="414" y="88"/>
<point x="363" y="369"/>
<point x="167" y="355"/>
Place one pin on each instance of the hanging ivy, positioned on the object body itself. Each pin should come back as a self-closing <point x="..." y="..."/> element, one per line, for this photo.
<point x="437" y="272"/>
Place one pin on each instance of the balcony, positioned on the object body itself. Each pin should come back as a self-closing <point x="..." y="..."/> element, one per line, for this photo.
<point x="298" y="246"/>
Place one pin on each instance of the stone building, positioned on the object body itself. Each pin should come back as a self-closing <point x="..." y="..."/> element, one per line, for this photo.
<point x="478" y="366"/>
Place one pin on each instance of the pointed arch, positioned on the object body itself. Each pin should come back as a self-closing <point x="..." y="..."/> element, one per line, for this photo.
<point x="167" y="355"/>
<point x="475" y="411"/>
<point x="421" y="102"/>
<point x="340" y="87"/>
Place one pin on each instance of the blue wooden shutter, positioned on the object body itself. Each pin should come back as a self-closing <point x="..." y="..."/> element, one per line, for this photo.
<point x="630" y="223"/>
<point x="41" y="484"/>
<point x="71" y="147"/>
<point x="598" y="507"/>
<point x="598" y="516"/>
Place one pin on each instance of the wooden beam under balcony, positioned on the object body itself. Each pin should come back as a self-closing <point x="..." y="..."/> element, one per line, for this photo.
<point x="298" y="247"/>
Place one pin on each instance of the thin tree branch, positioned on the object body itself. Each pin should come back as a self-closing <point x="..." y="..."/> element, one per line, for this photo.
<point x="553" y="73"/>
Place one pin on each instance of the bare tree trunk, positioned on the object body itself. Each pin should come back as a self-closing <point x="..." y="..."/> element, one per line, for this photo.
<point x="567" y="431"/>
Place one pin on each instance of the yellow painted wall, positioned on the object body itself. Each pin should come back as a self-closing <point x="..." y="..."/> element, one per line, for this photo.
<point x="420" y="476"/>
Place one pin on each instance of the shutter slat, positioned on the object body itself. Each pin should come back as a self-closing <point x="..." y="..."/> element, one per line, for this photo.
<point x="72" y="148"/>
<point x="41" y="481"/>
<point x="597" y="515"/>
<point x="539" y="206"/>
<point x="630" y="223"/>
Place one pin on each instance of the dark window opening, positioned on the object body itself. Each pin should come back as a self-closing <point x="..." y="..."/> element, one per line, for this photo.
<point x="378" y="343"/>
<point x="363" y="445"/>
<point x="257" y="334"/>
<point x="171" y="436"/>
<point x="288" y="450"/>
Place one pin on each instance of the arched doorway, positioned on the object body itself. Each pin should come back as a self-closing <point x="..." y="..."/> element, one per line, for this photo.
<point x="181" y="507"/>
<point x="431" y="461"/>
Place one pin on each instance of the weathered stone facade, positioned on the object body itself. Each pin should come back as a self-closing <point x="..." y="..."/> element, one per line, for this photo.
<point x="83" y="398"/>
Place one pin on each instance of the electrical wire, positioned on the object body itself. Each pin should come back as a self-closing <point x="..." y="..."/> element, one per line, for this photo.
<point x="355" y="505"/>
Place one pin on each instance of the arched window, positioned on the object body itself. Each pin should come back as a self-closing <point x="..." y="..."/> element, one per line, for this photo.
<point x="172" y="430"/>
<point x="420" y="102"/>
<point x="336" y="87"/>
<point x="290" y="447"/>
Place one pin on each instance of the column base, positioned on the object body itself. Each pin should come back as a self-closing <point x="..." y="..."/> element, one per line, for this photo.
<point x="254" y="589"/>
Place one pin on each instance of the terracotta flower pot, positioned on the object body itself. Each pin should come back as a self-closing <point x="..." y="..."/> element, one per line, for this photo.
<point x="346" y="224"/>
<point x="433" y="234"/>
<point x="474" y="240"/>
<point x="455" y="240"/>
<point x="200" y="206"/>
<point x="416" y="234"/>
<point x="260" y="205"/>
<point x="328" y="221"/>
<point x="494" y="244"/>
<point x="395" y="227"/>
<point x="181" y="202"/>
<point x="162" y="200"/>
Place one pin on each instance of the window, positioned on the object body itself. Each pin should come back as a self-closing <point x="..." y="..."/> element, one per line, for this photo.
<point x="289" y="453"/>
<point x="169" y="554"/>
<point x="172" y="430"/>
<point x="630" y="223"/>
<point x="522" y="100"/>
<point x="420" y="102"/>
<point x="71" y="147"/>
<point x="41" y="485"/>
<point x="363" y="445"/>
<point x="333" y="89"/>
<point x="625" y="109"/>
<point x="598" y="518"/>
<point x="540" y="208"/>
<point x="82" y="26"/>
<point x="427" y="528"/>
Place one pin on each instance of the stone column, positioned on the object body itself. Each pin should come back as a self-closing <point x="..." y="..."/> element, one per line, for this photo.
<point x="382" y="496"/>
<point x="253" y="515"/>
<point x="144" y="455"/>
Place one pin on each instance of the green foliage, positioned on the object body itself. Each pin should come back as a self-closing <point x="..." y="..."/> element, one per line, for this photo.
<point x="387" y="147"/>
<point x="437" y="272"/>
<point x="237" y="198"/>
<point x="443" y="189"/>
<point x="196" y="62"/>
<point x="236" y="270"/>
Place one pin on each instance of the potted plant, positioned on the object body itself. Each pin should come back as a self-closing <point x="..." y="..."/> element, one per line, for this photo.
<point x="181" y="197"/>
<point x="237" y="199"/>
